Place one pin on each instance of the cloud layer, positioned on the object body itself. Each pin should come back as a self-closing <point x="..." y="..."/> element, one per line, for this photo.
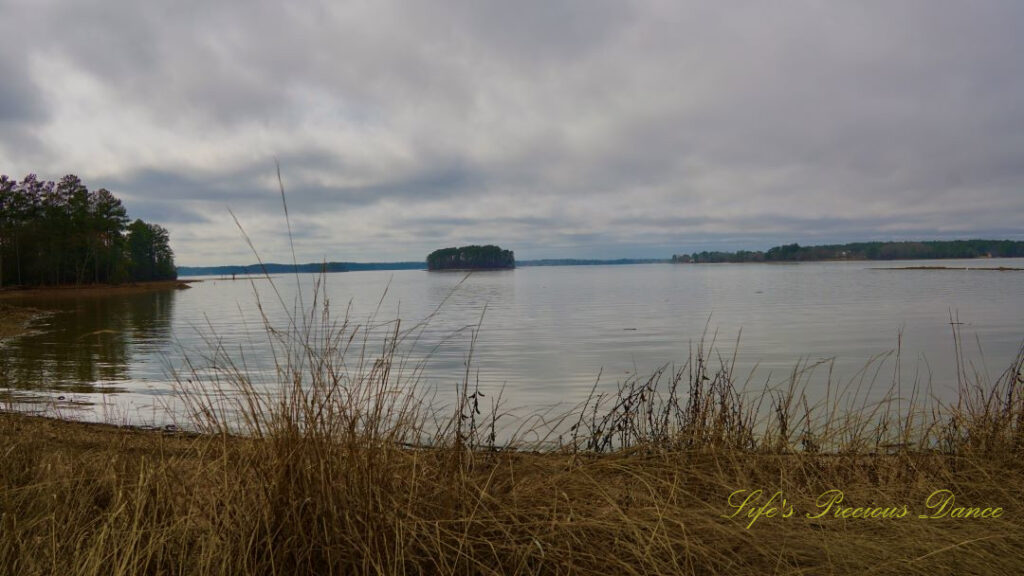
<point x="557" y="129"/>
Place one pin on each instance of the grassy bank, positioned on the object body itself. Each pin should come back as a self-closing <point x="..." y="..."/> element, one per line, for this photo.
<point x="84" y="499"/>
<point x="345" y="468"/>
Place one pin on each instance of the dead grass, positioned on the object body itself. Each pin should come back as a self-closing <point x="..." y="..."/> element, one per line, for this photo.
<point x="81" y="501"/>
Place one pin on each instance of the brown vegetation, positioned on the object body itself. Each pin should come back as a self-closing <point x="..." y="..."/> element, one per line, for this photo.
<point x="82" y="499"/>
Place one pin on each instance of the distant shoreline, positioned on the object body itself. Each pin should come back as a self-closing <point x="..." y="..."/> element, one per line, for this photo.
<point x="473" y="269"/>
<point x="386" y="266"/>
<point x="873" y="251"/>
<point x="988" y="268"/>
<point x="865" y="260"/>
<point x="332" y="267"/>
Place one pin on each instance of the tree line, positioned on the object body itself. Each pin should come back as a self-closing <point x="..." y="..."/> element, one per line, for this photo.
<point x="474" y="256"/>
<point x="61" y="232"/>
<point x="938" y="249"/>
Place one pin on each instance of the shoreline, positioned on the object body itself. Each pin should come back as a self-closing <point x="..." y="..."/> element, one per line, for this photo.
<point x="985" y="268"/>
<point x="94" y="289"/>
<point x="95" y="428"/>
<point x="471" y="269"/>
<point x="858" y="260"/>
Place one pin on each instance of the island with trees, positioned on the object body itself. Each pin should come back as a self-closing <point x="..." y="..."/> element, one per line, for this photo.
<point x="929" y="250"/>
<point x="59" y="233"/>
<point x="473" y="257"/>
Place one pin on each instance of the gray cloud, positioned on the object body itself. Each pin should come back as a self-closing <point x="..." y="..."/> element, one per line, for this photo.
<point x="557" y="128"/>
<point x="19" y="102"/>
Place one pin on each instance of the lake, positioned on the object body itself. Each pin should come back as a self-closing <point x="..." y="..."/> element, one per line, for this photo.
<point x="545" y="333"/>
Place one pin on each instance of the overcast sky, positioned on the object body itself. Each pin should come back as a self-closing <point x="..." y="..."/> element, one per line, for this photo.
<point x="557" y="129"/>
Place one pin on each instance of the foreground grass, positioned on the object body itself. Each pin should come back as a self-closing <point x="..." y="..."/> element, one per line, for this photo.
<point x="89" y="499"/>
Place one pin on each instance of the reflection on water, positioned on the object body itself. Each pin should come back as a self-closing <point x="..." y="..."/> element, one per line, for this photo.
<point x="546" y="333"/>
<point x="85" y="344"/>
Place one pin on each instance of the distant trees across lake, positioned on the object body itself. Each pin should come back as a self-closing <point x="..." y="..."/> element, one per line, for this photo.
<point x="55" y="233"/>
<point x="471" y="257"/>
<point x="866" y="251"/>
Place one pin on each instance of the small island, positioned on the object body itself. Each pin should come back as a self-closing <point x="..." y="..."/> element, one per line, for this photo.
<point x="473" y="257"/>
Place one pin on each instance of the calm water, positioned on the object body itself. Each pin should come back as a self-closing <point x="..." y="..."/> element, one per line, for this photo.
<point x="547" y="332"/>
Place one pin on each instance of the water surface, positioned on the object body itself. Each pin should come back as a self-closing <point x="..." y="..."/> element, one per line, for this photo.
<point x="545" y="333"/>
